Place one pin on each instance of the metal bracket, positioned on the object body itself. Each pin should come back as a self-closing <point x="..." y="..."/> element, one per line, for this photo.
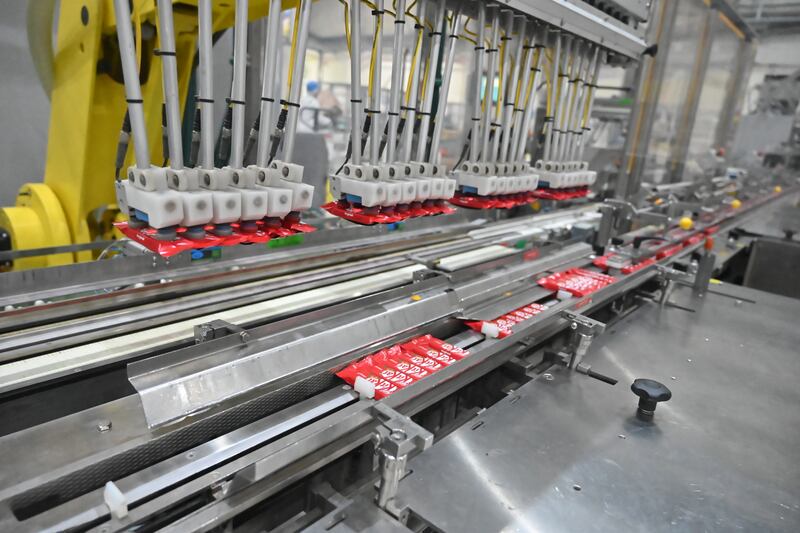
<point x="396" y="438"/>
<point x="584" y="330"/>
<point x="217" y="329"/>
<point x="668" y="276"/>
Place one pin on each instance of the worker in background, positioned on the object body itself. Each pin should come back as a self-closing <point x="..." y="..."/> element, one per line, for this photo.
<point x="312" y="116"/>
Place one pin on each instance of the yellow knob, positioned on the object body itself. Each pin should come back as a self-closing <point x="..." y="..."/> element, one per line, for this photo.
<point x="778" y="188"/>
<point x="686" y="223"/>
<point x="416" y="297"/>
<point x="736" y="203"/>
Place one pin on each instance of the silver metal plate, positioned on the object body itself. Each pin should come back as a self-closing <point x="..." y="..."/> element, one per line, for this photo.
<point x="568" y="453"/>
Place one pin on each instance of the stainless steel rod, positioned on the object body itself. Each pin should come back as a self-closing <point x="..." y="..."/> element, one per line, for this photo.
<point x="563" y="77"/>
<point x="530" y="110"/>
<point x="427" y="97"/>
<point x="518" y="116"/>
<point x="205" y="84"/>
<point x="550" y="117"/>
<point x="397" y="79"/>
<point x="489" y="87"/>
<point x="411" y="114"/>
<point x="447" y="75"/>
<point x="299" y="60"/>
<point x="503" y="86"/>
<point x="510" y="103"/>
<point x="572" y="100"/>
<point x="355" y="80"/>
<point x="169" y="70"/>
<point x="238" y="83"/>
<point x="480" y="48"/>
<point x="375" y="96"/>
<point x="590" y="104"/>
<point x="268" y="95"/>
<point x="133" y="92"/>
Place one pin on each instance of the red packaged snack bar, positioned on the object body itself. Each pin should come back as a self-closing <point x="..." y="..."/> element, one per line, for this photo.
<point x="442" y="346"/>
<point x="431" y="365"/>
<point x="427" y="351"/>
<point x="364" y="369"/>
<point x="400" y="360"/>
<point x="490" y="329"/>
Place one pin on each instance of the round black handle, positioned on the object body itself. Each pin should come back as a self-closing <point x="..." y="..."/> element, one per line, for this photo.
<point x="650" y="393"/>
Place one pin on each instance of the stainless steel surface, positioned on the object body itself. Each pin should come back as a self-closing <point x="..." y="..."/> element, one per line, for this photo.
<point x="587" y="22"/>
<point x="568" y="453"/>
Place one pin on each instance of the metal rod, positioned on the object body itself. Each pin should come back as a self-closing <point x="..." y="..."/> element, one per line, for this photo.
<point x="572" y="100"/>
<point x="268" y="93"/>
<point x="238" y="84"/>
<point x="411" y="114"/>
<point x="427" y="97"/>
<point x="375" y="96"/>
<point x="577" y="131"/>
<point x="476" y="105"/>
<point x="550" y="118"/>
<point x="511" y="90"/>
<point x="518" y="114"/>
<point x="205" y="84"/>
<point x="590" y="105"/>
<point x="169" y="69"/>
<point x="133" y="92"/>
<point x="489" y="87"/>
<point x="447" y="75"/>
<point x="531" y="109"/>
<point x="304" y="12"/>
<point x="397" y="79"/>
<point x="563" y="78"/>
<point x="501" y="93"/>
<point x="355" y="80"/>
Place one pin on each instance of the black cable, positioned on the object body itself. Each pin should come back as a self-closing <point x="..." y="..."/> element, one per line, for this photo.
<point x="277" y="135"/>
<point x="122" y="144"/>
<point x="224" y="151"/>
<point x="164" y="134"/>
<point x="253" y="138"/>
<point x="195" y="148"/>
<point x="465" y="150"/>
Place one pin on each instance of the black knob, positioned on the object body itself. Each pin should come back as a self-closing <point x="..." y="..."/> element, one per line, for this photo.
<point x="650" y="392"/>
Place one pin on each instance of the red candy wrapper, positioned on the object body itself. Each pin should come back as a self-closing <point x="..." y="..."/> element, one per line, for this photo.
<point x="394" y="368"/>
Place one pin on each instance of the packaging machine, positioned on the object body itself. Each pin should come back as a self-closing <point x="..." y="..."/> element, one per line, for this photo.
<point x="540" y="358"/>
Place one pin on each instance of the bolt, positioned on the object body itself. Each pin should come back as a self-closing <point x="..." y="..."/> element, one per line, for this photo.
<point x="622" y="436"/>
<point x="548" y="376"/>
<point x="104" y="426"/>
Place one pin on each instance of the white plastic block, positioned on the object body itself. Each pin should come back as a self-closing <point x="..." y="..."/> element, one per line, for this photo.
<point x="255" y="202"/>
<point x="484" y="185"/>
<point x="408" y="190"/>
<point x="115" y="500"/>
<point x="164" y="208"/>
<point x="364" y="387"/>
<point x="288" y="171"/>
<point x="449" y="188"/>
<point x="394" y="192"/>
<point x="371" y="193"/>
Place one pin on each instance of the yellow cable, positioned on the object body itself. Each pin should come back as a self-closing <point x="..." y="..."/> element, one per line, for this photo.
<point x="414" y="60"/>
<point x="373" y="55"/>
<point x="293" y="49"/>
<point x="531" y="88"/>
<point x="347" y="26"/>
<point x="497" y="109"/>
<point x="467" y="30"/>
<point x="523" y="61"/>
